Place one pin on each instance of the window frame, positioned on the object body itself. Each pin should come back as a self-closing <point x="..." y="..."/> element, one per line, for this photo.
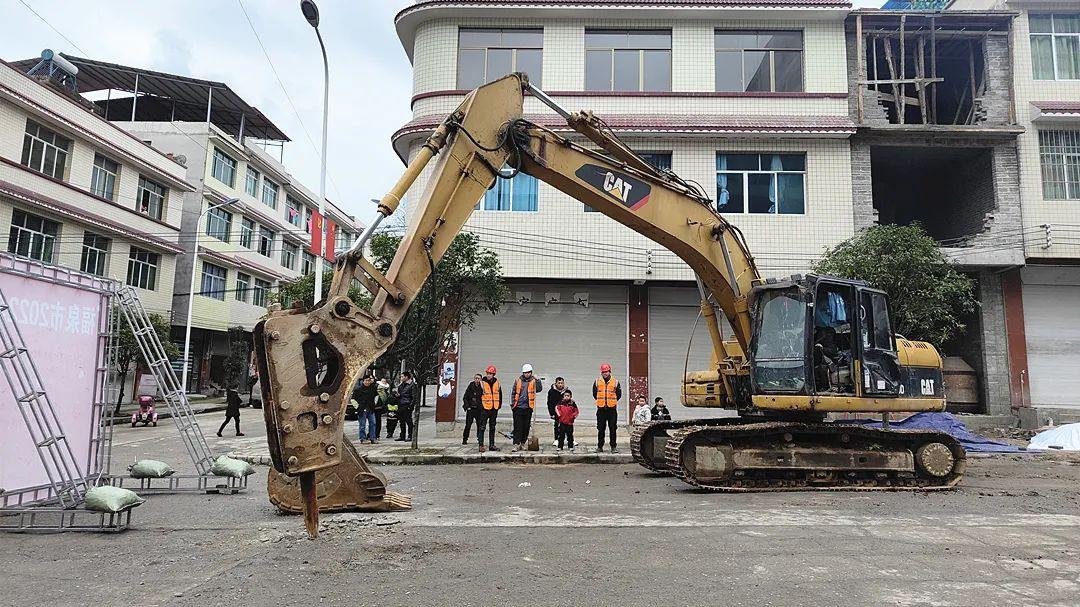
<point x="222" y="220"/>
<point x="95" y="254"/>
<point x="497" y="188"/>
<point x="142" y="269"/>
<point x="629" y="47"/>
<point x="1057" y="159"/>
<point x="1054" y="37"/>
<point x="48" y="140"/>
<point x="294" y="211"/>
<point x="243" y="286"/>
<point x="289" y="253"/>
<point x="266" y="237"/>
<point x="269" y="186"/>
<point x="260" y="291"/>
<point x="252" y="179"/>
<point x="247" y="232"/>
<point x="307" y="263"/>
<point x="221" y="162"/>
<point x="37" y="237"/>
<point x="535" y="79"/>
<point x="717" y="50"/>
<point x="776" y="180"/>
<point x="211" y="284"/>
<point x="100" y="168"/>
<point x="145" y="198"/>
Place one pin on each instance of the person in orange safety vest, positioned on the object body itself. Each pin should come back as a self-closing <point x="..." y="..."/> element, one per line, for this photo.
<point x="607" y="391"/>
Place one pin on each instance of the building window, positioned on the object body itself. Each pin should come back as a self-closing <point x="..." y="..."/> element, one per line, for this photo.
<point x="32" y="236"/>
<point x="660" y="160"/>
<point x="769" y="61"/>
<point x="142" y="269"/>
<point x="259" y="292"/>
<point x="45" y="151"/>
<point x="266" y="241"/>
<point x="224" y="168"/>
<point x="343" y="242"/>
<point x="288" y="255"/>
<point x="247" y="232"/>
<point x="103" y="179"/>
<point x="150" y="199"/>
<point x="1055" y="46"/>
<point x="219" y="223"/>
<point x="95" y="252"/>
<point x="294" y="211"/>
<point x="307" y="263"/>
<point x="269" y="193"/>
<point x="489" y="54"/>
<point x="213" y="281"/>
<point x="621" y="60"/>
<point x="243" y="285"/>
<point x="1059" y="154"/>
<point x="517" y="194"/>
<point x="307" y="220"/>
<point x="251" y="182"/>
<point x="761" y="183"/>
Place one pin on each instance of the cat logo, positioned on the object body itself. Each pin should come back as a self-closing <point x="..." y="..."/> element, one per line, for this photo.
<point x="617" y="187"/>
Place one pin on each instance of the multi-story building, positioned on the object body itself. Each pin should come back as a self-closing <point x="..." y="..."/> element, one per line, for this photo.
<point x="78" y="192"/>
<point x="255" y="226"/>
<point x="749" y="99"/>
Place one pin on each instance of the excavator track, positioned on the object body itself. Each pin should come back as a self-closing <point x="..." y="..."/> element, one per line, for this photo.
<point x="647" y="440"/>
<point x="794" y="456"/>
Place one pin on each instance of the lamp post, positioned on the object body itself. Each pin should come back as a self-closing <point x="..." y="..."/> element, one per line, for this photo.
<point x="311" y="14"/>
<point x="191" y="288"/>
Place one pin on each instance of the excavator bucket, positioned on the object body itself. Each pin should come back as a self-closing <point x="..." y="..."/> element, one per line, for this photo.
<point x="351" y="486"/>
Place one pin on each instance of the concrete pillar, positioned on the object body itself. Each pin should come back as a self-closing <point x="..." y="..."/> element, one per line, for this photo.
<point x="862" y="187"/>
<point x="1019" y="379"/>
<point x="995" y="371"/>
<point x="446" y="406"/>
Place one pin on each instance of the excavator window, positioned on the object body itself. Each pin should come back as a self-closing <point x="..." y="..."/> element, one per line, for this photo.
<point x="833" y="344"/>
<point x="780" y="346"/>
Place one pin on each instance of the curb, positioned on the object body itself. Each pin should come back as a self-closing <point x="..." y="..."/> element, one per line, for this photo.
<point x="434" y="459"/>
<point x="126" y="418"/>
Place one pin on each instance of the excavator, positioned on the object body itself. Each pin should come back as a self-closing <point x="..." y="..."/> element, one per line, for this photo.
<point x="803" y="348"/>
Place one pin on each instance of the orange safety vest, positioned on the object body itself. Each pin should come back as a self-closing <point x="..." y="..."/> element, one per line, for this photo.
<point x="517" y="391"/>
<point x="490" y="397"/>
<point x="605" y="392"/>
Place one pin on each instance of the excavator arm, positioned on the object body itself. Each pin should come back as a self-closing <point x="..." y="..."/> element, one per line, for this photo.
<point x="309" y="359"/>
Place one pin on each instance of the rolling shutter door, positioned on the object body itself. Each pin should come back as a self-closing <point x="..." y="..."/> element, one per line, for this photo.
<point x="562" y="339"/>
<point x="1052" y="328"/>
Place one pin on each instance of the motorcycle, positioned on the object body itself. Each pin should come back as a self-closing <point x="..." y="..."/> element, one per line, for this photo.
<point x="146" y="414"/>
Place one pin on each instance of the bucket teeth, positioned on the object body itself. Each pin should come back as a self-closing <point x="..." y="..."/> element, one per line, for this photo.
<point x="351" y="486"/>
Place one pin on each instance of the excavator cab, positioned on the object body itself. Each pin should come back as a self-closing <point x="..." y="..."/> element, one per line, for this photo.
<point x="823" y="336"/>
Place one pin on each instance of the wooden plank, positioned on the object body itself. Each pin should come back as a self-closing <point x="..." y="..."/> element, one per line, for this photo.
<point x="915" y="80"/>
<point x="873" y="54"/>
<point x="920" y="86"/>
<point x="892" y="73"/>
<point x="860" y="53"/>
<point x="903" y="68"/>
<point x="933" y="69"/>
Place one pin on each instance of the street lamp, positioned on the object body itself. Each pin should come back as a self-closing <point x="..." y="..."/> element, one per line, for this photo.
<point x="311" y="14"/>
<point x="191" y="288"/>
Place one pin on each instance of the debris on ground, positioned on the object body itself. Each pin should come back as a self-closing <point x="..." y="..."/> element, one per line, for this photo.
<point x="1063" y="438"/>
<point x="525" y="484"/>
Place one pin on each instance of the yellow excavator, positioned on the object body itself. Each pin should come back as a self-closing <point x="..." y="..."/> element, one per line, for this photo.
<point x="803" y="347"/>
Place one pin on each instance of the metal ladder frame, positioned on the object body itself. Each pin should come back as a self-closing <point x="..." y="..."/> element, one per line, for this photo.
<point x="65" y="475"/>
<point x="154" y="354"/>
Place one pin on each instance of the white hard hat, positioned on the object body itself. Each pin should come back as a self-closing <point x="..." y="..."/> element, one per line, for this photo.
<point x="526" y="368"/>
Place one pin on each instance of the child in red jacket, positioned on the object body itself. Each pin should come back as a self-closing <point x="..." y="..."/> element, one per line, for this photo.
<point x="566" y="412"/>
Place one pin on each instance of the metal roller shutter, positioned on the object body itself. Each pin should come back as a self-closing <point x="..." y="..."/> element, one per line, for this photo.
<point x="562" y="339"/>
<point x="1052" y="327"/>
<point x="672" y="312"/>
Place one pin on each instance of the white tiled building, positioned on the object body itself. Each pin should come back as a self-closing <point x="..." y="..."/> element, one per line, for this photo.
<point x="79" y="192"/>
<point x="745" y="100"/>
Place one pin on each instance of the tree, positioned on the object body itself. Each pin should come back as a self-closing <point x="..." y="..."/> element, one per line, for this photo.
<point x="928" y="297"/>
<point x="128" y="352"/>
<point x="236" y="363"/>
<point x="302" y="289"/>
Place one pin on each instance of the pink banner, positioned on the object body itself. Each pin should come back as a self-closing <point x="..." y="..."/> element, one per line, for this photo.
<point x="60" y="325"/>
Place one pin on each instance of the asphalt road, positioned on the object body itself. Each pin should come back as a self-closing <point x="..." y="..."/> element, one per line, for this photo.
<point x="577" y="535"/>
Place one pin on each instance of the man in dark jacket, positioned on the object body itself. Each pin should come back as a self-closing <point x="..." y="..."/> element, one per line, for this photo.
<point x="363" y="395"/>
<point x="554" y="397"/>
<point x="474" y="410"/>
<point x="406" y="393"/>
<point x="232" y="411"/>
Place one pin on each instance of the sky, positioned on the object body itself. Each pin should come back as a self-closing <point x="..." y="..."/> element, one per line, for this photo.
<point x="370" y="75"/>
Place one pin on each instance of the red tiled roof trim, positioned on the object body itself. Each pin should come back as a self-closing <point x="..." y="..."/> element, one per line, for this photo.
<point x="1058" y="107"/>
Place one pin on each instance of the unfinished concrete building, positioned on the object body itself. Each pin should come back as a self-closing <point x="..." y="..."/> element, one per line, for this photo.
<point x="931" y="93"/>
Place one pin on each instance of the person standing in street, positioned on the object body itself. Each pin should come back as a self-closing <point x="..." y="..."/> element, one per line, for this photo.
<point x="567" y="412"/>
<point x="474" y="410"/>
<point x="491" y="398"/>
<point x="406" y="398"/>
<point x="364" y="394"/>
<point x="522" y="402"/>
<point x="642" y="413"/>
<point x="382" y="400"/>
<point x="554" y="397"/>
<point x="390" y="397"/>
<point x="607" y="391"/>
<point x="659" y="411"/>
<point x="232" y="411"/>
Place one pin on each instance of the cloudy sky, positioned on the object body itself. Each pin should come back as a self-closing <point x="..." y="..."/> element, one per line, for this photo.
<point x="370" y="76"/>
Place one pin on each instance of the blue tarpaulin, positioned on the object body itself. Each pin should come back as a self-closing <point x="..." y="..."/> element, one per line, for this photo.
<point x="946" y="422"/>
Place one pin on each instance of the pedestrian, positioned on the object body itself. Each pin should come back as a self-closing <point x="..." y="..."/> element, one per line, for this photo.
<point x="522" y="403"/>
<point x="554" y="397"/>
<point x="363" y="395"/>
<point x="406" y="397"/>
<point x="491" y="399"/>
<point x="642" y="413"/>
<point x="382" y="400"/>
<point x="474" y="410"/>
<point x="232" y="411"/>
<point x="390" y="398"/>
<point x="607" y="391"/>
<point x="659" y="411"/>
<point x="567" y="412"/>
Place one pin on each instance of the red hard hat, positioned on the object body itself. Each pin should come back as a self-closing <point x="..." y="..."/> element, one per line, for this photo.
<point x="491" y="369"/>
<point x="605" y="368"/>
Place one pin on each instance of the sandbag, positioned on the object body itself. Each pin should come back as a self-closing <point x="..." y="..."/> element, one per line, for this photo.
<point x="234" y="468"/>
<point x="150" y="468"/>
<point x="112" y="499"/>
